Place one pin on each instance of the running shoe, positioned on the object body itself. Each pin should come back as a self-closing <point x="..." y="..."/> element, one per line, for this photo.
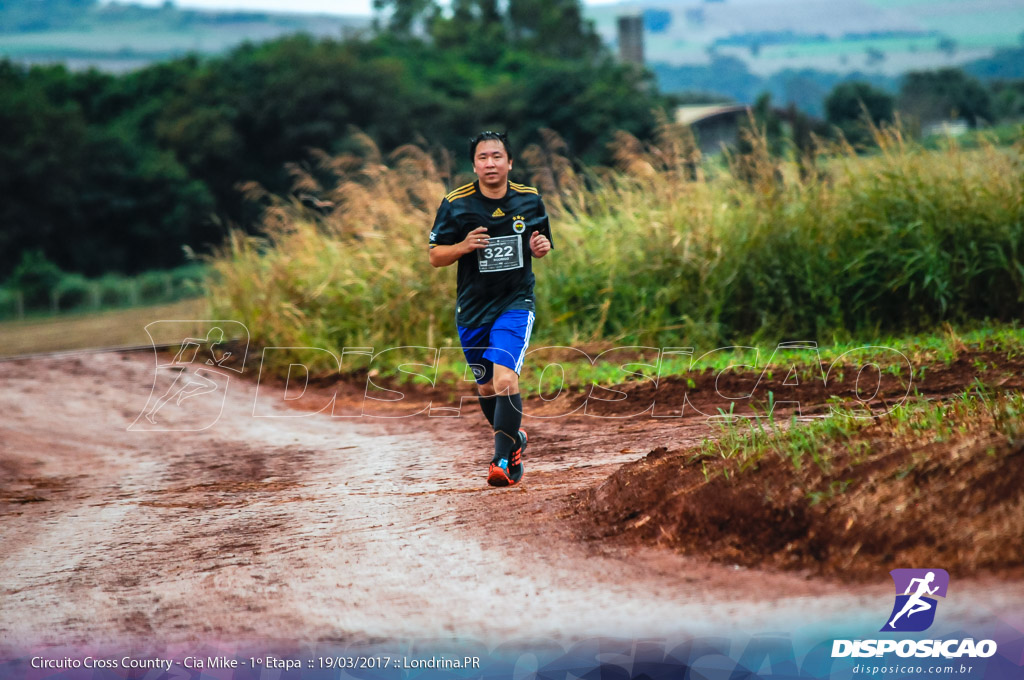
<point x="497" y="475"/>
<point x="515" y="465"/>
<point x="507" y="472"/>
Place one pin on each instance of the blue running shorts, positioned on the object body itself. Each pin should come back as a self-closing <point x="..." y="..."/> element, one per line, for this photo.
<point x="503" y="341"/>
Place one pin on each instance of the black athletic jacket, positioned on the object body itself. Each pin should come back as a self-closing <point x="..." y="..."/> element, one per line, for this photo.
<point x="499" y="277"/>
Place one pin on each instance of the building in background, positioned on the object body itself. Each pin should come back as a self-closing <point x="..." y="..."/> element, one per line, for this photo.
<point x="714" y="125"/>
<point x="631" y="39"/>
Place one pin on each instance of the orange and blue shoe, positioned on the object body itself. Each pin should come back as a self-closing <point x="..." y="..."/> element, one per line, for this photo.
<point x="508" y="471"/>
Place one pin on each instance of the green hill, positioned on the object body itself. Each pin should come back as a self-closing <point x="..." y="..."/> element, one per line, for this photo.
<point x="887" y="37"/>
<point x="118" y="37"/>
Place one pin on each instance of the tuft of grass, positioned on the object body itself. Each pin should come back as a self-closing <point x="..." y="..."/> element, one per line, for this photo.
<point x="848" y="439"/>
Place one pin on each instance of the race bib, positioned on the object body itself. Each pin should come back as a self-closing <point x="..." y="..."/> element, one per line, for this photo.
<point x="501" y="254"/>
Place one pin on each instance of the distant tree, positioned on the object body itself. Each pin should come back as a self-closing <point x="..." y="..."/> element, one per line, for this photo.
<point x="35" y="277"/>
<point x="403" y="16"/>
<point x="473" y="26"/>
<point x="483" y="28"/>
<point x="91" y="197"/>
<point x="1008" y="99"/>
<point x="848" y="104"/>
<point x="585" y="104"/>
<point x="945" y="93"/>
<point x="555" y="28"/>
<point x="948" y="46"/>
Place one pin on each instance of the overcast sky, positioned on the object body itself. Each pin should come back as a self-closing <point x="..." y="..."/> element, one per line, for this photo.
<point x="325" y="6"/>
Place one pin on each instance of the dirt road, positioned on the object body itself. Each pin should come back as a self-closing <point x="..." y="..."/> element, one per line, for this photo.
<point x="312" y="529"/>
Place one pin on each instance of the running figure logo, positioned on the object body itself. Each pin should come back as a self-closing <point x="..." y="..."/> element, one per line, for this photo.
<point x="189" y="391"/>
<point x="196" y="383"/>
<point x="914" y="609"/>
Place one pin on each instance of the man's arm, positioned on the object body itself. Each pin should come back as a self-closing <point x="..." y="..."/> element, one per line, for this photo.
<point x="540" y="238"/>
<point x="442" y="256"/>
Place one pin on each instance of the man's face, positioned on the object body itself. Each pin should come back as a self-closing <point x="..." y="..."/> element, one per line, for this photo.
<point x="491" y="164"/>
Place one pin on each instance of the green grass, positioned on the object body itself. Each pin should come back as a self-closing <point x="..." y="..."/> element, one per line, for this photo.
<point x="887" y="245"/>
<point x="746" y="441"/>
<point x="923" y="352"/>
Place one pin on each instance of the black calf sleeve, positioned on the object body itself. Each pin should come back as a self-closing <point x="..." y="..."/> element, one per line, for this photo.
<point x="508" y="416"/>
<point x="487" y="405"/>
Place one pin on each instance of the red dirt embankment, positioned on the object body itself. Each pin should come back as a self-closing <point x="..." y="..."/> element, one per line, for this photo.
<point x="886" y="495"/>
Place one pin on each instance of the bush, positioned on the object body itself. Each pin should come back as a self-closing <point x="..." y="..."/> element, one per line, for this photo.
<point x="74" y="292"/>
<point x="114" y="290"/>
<point x="35" y="277"/>
<point x="189" y="281"/>
<point x="155" y="286"/>
<point x="8" y="303"/>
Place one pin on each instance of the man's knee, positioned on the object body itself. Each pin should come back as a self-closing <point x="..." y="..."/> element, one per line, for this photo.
<point x="505" y="381"/>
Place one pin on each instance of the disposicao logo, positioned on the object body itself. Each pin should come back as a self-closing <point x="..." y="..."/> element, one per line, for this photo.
<point x="914" y="609"/>
<point x="913" y="612"/>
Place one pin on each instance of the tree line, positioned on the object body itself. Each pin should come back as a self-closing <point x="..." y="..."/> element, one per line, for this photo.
<point x="110" y="172"/>
<point x="120" y="173"/>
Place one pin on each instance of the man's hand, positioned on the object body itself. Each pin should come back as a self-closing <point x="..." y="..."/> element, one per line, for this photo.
<point x="475" y="240"/>
<point x="539" y="244"/>
<point x="442" y="256"/>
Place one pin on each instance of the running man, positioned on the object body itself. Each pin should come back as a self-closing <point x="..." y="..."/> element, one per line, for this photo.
<point x="914" y="603"/>
<point x="494" y="228"/>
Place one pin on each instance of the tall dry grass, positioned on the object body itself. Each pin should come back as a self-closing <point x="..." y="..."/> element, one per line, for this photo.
<point x="666" y="248"/>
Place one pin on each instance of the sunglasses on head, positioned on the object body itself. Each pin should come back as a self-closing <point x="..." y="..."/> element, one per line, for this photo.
<point x="488" y="134"/>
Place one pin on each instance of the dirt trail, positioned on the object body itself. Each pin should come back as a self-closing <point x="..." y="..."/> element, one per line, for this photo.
<point x="319" y="529"/>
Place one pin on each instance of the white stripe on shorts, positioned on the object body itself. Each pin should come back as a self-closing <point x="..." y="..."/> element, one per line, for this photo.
<point x="526" y="343"/>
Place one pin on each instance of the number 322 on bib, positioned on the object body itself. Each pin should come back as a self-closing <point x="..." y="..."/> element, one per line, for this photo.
<point x="503" y="253"/>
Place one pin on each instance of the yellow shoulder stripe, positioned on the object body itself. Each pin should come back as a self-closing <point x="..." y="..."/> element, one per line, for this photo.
<point x="464" y="190"/>
<point x="461" y="194"/>
<point x="522" y="188"/>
